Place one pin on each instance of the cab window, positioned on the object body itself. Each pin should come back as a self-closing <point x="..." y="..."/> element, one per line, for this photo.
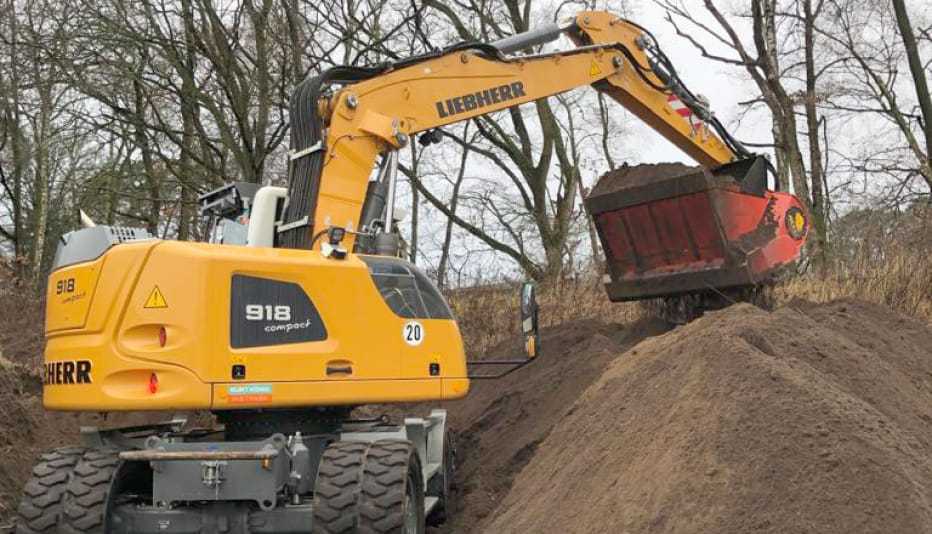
<point x="406" y="290"/>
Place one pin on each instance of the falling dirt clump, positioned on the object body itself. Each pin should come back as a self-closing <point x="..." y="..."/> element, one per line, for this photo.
<point x="807" y="419"/>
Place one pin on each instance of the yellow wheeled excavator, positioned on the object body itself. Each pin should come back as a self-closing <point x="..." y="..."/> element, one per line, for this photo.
<point x="304" y="311"/>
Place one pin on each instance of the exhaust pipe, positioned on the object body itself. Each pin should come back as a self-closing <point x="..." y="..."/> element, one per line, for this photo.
<point x="86" y="221"/>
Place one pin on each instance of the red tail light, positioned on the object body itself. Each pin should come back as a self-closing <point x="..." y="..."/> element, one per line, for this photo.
<point x="163" y="337"/>
<point x="153" y="383"/>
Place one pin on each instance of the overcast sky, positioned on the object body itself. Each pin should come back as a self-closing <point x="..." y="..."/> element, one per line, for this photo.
<point x="724" y="87"/>
<point x="720" y="84"/>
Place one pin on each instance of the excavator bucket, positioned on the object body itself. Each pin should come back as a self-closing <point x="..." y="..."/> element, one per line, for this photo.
<point x="670" y="230"/>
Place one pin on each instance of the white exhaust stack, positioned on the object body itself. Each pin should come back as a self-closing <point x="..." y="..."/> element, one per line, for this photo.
<point x="86" y="221"/>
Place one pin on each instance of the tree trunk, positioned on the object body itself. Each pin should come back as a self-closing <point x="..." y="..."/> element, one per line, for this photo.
<point x="142" y="141"/>
<point x="40" y="207"/>
<point x="296" y="38"/>
<point x="597" y="260"/>
<point x="812" y="124"/>
<point x="20" y="157"/>
<point x="454" y="200"/>
<point x="188" y="115"/>
<point x="919" y="77"/>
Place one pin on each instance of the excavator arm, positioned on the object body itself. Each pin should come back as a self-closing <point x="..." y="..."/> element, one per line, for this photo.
<point x="338" y="137"/>
<point x="667" y="231"/>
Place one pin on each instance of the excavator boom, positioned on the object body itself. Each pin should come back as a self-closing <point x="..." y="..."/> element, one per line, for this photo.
<point x="652" y="245"/>
<point x="380" y="109"/>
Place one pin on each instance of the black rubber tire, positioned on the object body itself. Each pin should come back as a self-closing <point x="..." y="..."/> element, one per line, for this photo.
<point x="391" y="482"/>
<point x="336" y="488"/>
<point x="89" y="492"/>
<point x="44" y="493"/>
<point x="443" y="484"/>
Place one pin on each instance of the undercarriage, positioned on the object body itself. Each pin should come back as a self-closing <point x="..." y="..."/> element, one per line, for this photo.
<point x="318" y="471"/>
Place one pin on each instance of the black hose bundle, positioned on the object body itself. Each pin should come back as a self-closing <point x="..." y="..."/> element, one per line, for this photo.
<point x="304" y="172"/>
<point x="664" y="69"/>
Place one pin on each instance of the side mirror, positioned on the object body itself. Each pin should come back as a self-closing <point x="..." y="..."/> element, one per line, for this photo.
<point x="531" y="339"/>
<point x="529" y="322"/>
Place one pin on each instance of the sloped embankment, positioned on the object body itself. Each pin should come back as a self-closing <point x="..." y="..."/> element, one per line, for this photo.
<point x="502" y="422"/>
<point x="812" y="418"/>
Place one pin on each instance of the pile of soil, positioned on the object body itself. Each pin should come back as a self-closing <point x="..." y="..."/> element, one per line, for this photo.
<point x="812" y="418"/>
<point x="629" y="176"/>
<point x="26" y="428"/>
<point x="25" y="431"/>
<point x="499" y="426"/>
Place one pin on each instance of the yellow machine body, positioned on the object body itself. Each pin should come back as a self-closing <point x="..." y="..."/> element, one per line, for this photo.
<point x="107" y="317"/>
<point x="150" y="325"/>
<point x="280" y="338"/>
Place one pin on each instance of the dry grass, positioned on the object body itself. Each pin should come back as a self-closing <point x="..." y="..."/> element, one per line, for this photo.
<point x="489" y="315"/>
<point x="22" y="320"/>
<point x="895" y="273"/>
<point x="879" y="256"/>
<point x="900" y="278"/>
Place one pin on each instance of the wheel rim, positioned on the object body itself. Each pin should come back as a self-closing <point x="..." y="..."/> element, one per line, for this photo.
<point x="410" y="510"/>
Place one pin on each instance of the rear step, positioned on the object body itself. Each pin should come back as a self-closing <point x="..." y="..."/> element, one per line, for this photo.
<point x="670" y="230"/>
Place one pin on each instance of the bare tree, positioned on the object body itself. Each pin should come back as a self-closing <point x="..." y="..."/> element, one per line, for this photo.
<point x="764" y="63"/>
<point x="454" y="200"/>
<point x="917" y="70"/>
<point x="39" y="127"/>
<point x="874" y="89"/>
<point x="810" y="14"/>
<point x="531" y="151"/>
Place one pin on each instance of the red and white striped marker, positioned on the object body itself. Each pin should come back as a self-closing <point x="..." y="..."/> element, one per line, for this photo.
<point x="680" y="108"/>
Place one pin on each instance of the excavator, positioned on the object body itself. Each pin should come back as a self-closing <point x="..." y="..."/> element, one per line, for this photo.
<point x="299" y="309"/>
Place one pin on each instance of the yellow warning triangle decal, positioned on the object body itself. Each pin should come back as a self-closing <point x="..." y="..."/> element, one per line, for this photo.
<point x="156" y="299"/>
<point x="594" y="69"/>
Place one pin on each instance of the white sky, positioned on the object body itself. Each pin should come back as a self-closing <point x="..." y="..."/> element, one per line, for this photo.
<point x="719" y="83"/>
<point x="724" y="86"/>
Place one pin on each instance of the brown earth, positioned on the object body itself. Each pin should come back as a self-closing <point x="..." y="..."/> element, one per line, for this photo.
<point x="628" y="176"/>
<point x="26" y="428"/>
<point x="808" y="419"/>
<point x="812" y="418"/>
<point x="502" y="422"/>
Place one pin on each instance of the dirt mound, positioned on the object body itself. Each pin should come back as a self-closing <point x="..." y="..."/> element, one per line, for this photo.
<point x="26" y="428"/>
<point x="502" y="422"/>
<point x="25" y="431"/>
<point x="807" y="419"/>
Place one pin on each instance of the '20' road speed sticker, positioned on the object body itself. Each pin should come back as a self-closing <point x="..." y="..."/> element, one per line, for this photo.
<point x="413" y="333"/>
